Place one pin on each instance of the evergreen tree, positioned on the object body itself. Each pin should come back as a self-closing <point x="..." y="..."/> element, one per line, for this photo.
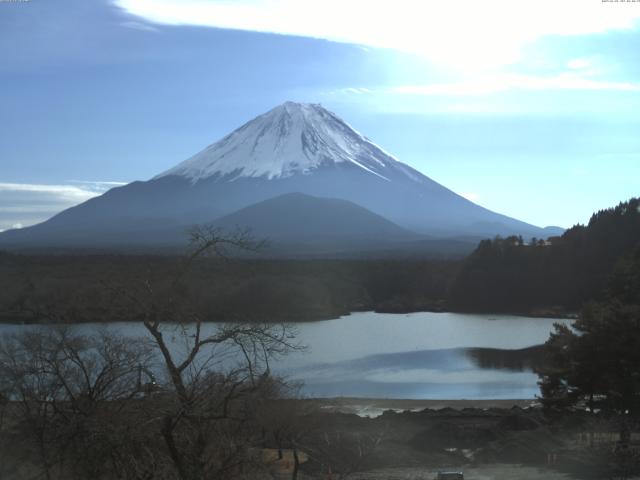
<point x="565" y="272"/>
<point x="597" y="361"/>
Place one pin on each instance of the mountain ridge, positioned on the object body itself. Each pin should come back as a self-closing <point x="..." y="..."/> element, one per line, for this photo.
<point x="292" y="148"/>
<point x="297" y="215"/>
<point x="288" y="139"/>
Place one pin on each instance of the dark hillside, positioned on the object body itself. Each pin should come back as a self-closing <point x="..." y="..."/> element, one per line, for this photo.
<point x="261" y="290"/>
<point x="507" y="274"/>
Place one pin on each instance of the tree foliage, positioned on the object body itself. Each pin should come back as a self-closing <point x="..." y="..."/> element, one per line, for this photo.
<point x="507" y="274"/>
<point x="596" y="362"/>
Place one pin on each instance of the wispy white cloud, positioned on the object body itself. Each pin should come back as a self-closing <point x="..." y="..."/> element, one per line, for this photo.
<point x="23" y="204"/>
<point x="499" y="83"/>
<point x="474" y="197"/>
<point x="579" y="63"/>
<point x="357" y="90"/>
<point x="97" y="186"/>
<point x="486" y="85"/>
<point x="145" y="27"/>
<point x="464" y="33"/>
<point x="60" y="192"/>
<point x="15" y="226"/>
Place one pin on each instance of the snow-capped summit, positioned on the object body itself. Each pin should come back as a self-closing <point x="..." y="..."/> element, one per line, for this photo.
<point x="293" y="138"/>
<point x="294" y="148"/>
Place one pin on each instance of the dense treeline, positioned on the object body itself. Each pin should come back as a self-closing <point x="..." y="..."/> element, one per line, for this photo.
<point x="597" y="361"/>
<point x="509" y="274"/>
<point x="594" y="366"/>
<point x="247" y="290"/>
<point x="550" y="277"/>
<point x="181" y="403"/>
<point x="103" y="406"/>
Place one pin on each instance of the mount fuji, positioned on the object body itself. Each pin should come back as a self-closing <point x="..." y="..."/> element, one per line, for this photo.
<point x="293" y="148"/>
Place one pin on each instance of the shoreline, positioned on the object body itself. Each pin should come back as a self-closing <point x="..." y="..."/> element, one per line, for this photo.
<point x="11" y="320"/>
<point x="374" y="407"/>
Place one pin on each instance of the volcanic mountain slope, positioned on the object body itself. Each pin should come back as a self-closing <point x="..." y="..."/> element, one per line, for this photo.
<point x="292" y="148"/>
<point x="299" y="216"/>
<point x="298" y="224"/>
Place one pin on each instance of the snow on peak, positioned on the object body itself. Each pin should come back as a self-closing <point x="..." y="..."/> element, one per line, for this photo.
<point x="293" y="138"/>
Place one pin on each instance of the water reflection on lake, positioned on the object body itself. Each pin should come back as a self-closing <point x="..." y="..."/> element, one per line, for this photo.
<point x="420" y="355"/>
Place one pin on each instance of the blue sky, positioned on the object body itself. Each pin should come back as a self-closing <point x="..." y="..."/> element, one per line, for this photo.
<point x="529" y="108"/>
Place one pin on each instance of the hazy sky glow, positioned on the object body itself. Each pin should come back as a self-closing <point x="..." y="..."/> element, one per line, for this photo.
<point x="465" y="34"/>
<point x="527" y="108"/>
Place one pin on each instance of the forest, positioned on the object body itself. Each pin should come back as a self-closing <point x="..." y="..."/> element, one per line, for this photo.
<point x="550" y="277"/>
<point x="77" y="406"/>
<point x="555" y="275"/>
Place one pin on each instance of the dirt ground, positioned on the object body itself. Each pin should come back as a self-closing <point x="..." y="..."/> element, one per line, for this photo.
<point x="491" y="439"/>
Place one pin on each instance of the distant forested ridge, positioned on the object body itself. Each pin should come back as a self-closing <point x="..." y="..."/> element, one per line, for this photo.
<point x="560" y="273"/>
<point x="77" y="289"/>
<point x="540" y="277"/>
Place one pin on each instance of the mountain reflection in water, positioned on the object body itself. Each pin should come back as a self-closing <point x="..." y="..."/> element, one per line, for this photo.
<point x="455" y="373"/>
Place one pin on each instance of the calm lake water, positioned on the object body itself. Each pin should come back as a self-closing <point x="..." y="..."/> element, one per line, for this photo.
<point x="415" y="356"/>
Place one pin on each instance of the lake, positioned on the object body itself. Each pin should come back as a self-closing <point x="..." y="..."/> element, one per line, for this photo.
<point x="421" y="355"/>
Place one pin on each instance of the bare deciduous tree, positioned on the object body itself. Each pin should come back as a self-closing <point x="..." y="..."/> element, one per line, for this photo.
<point x="68" y="392"/>
<point x="341" y="453"/>
<point x="88" y="412"/>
